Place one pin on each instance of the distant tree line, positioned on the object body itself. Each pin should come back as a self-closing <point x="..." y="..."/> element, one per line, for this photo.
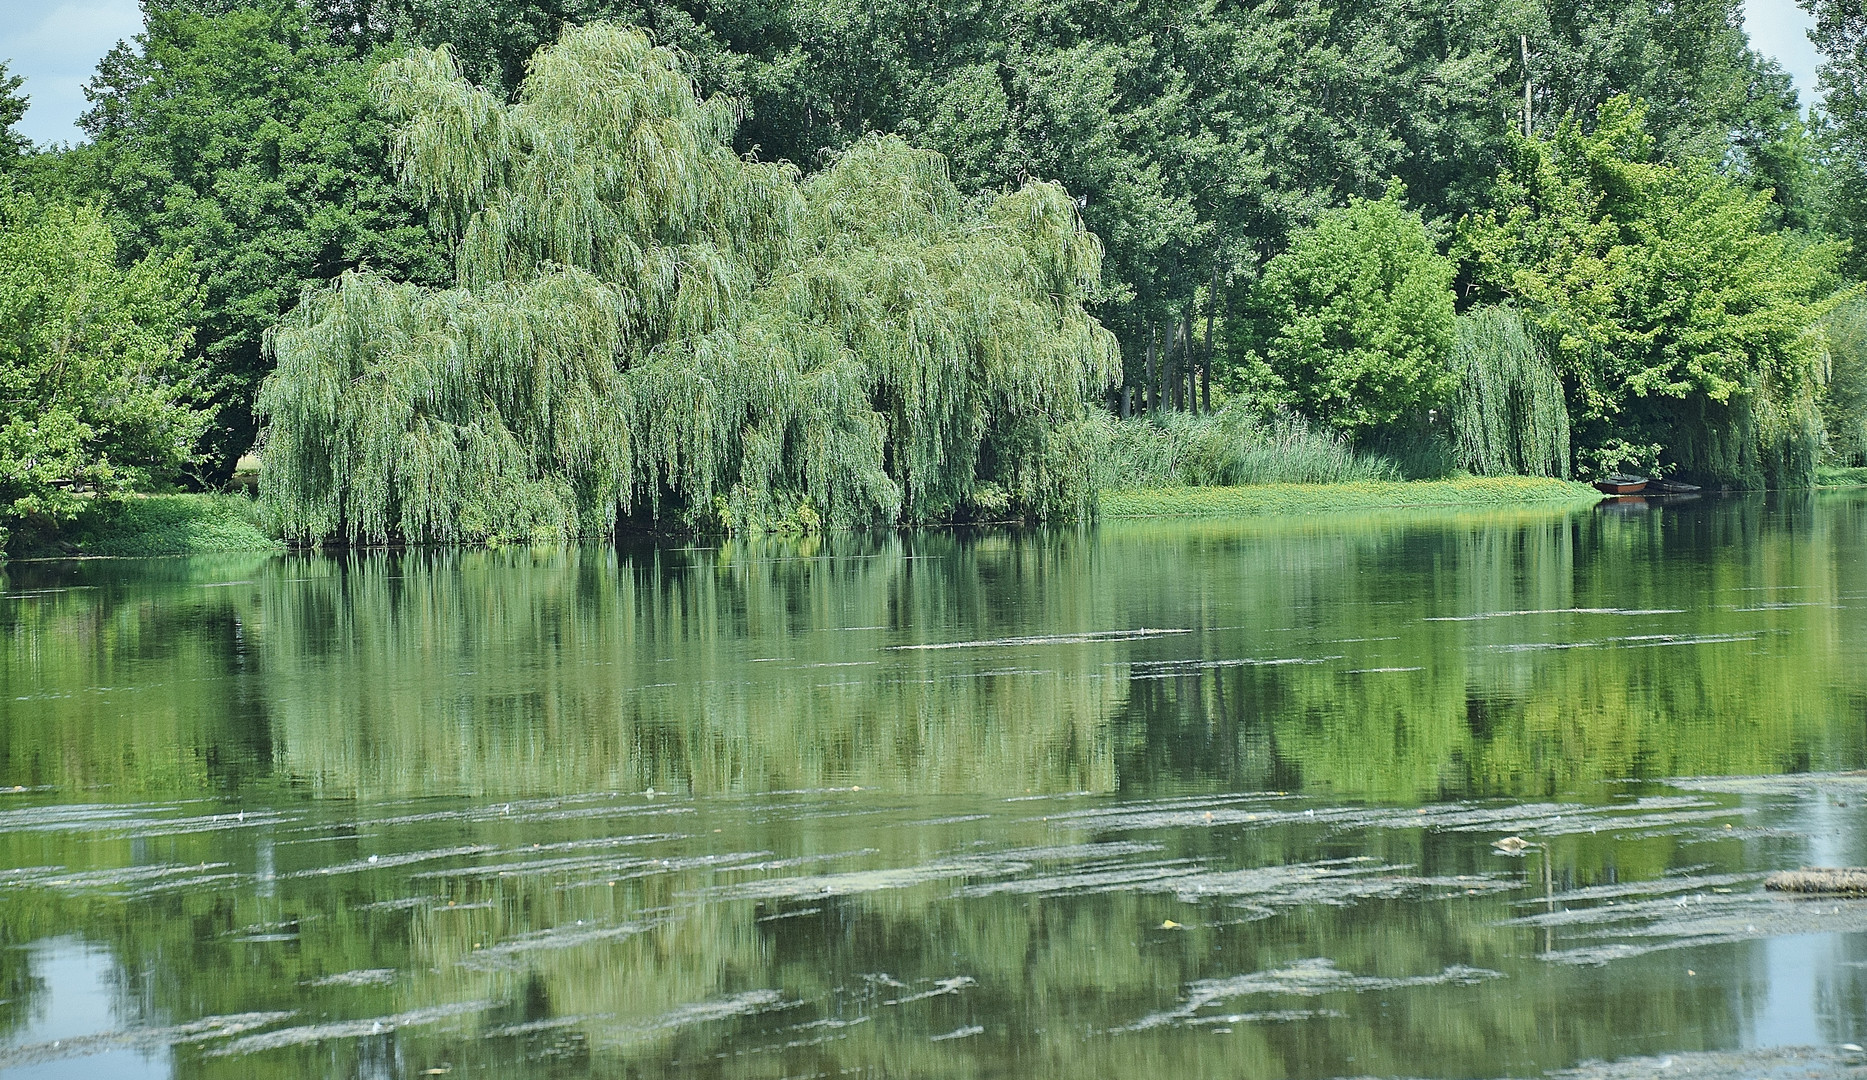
<point x="1402" y="225"/>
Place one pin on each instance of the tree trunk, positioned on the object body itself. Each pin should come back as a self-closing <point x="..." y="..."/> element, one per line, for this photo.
<point x="1523" y="41"/>
<point x="1175" y="387"/>
<point x="1189" y="363"/>
<point x="1205" y="371"/>
<point x="1156" y="395"/>
<point x="1149" y="388"/>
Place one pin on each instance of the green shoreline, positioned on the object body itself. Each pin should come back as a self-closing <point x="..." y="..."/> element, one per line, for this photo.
<point x="162" y="525"/>
<point x="1260" y="499"/>
<point x="142" y="526"/>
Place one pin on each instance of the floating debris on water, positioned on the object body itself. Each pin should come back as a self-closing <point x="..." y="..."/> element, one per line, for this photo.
<point x="1089" y="638"/>
<point x="1523" y="819"/>
<point x="1305" y="978"/>
<point x="699" y="1012"/>
<point x="536" y="1027"/>
<point x="137" y="820"/>
<point x="1169" y="669"/>
<point x="1770" y="1063"/>
<point x="504" y="953"/>
<point x="1634" y="641"/>
<point x="385" y="862"/>
<point x="996" y="864"/>
<point x="360" y="977"/>
<point x="348" y="1029"/>
<point x="1790" y="784"/>
<point x="1654" y="887"/>
<point x="1553" y="611"/>
<point x="1330" y="881"/>
<point x="144" y="1039"/>
<point x="941" y="988"/>
<point x="129" y="881"/>
<point x="1619" y="931"/>
<point x="1849" y="881"/>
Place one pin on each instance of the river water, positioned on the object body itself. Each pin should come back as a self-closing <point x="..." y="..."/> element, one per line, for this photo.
<point x="1182" y="799"/>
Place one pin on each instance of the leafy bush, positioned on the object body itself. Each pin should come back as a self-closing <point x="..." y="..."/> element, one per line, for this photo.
<point x="1678" y="317"/>
<point x="95" y="397"/>
<point x="169" y="525"/>
<point x="1356" y="319"/>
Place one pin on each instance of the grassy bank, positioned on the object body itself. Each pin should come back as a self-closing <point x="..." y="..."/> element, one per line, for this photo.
<point x="1835" y="476"/>
<point x="1354" y="495"/>
<point x="200" y="524"/>
<point x="156" y="525"/>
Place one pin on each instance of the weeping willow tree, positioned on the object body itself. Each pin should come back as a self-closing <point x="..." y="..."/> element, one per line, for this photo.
<point x="1844" y="390"/>
<point x="1510" y="414"/>
<point x="644" y="323"/>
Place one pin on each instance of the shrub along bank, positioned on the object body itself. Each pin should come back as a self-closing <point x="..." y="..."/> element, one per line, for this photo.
<point x="137" y="526"/>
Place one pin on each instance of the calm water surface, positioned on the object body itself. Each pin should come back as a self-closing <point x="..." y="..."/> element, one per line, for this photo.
<point x="1189" y="799"/>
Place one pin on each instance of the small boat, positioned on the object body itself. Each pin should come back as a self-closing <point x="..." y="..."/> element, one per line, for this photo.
<point x="1669" y="487"/>
<point x="1621" y="484"/>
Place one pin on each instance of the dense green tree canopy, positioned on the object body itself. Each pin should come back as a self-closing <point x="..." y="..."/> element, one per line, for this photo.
<point x="1356" y="318"/>
<point x="1682" y="324"/>
<point x="12" y="109"/>
<point x="1839" y="179"/>
<point x="1202" y="139"/>
<point x="95" y="391"/>
<point x="644" y="320"/>
<point x="1198" y="133"/>
<point x="247" y="138"/>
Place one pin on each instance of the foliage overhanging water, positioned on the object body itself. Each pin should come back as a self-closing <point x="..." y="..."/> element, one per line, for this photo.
<point x="1182" y="798"/>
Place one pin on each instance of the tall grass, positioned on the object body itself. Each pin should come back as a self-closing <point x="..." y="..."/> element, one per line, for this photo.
<point x="1510" y="415"/>
<point x="1234" y="447"/>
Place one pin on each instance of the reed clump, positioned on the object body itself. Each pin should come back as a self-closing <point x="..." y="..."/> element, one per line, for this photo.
<point x="1234" y="447"/>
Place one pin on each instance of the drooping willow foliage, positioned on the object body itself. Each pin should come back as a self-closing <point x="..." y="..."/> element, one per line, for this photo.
<point x="643" y="322"/>
<point x="1844" y="390"/>
<point x="1509" y="413"/>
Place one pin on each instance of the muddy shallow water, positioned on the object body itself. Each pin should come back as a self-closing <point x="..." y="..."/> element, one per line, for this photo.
<point x="1181" y="799"/>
